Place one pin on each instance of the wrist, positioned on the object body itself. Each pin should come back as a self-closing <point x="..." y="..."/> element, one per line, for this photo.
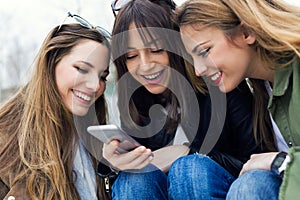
<point x="105" y="171"/>
<point x="114" y="170"/>
<point x="279" y="163"/>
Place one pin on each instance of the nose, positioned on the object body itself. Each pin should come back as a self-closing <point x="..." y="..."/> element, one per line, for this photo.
<point x="145" y="58"/>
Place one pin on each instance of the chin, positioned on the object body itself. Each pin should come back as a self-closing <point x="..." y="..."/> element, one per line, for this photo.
<point x="223" y="89"/>
<point x="156" y="90"/>
<point x="226" y="88"/>
<point x="79" y="113"/>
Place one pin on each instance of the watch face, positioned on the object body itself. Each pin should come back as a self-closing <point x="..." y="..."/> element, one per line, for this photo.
<point x="278" y="161"/>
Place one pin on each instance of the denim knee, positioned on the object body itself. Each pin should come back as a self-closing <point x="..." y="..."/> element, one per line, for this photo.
<point x="198" y="177"/>
<point x="192" y="160"/>
<point x="150" y="185"/>
<point x="188" y="165"/>
<point x="256" y="185"/>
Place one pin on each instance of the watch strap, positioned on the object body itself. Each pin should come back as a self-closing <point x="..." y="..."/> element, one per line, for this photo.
<point x="282" y="168"/>
<point x="279" y="163"/>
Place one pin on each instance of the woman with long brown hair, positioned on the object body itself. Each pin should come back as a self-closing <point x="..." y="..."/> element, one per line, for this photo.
<point x="43" y="152"/>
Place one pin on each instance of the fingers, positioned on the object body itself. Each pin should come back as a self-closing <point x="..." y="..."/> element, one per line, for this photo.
<point x="109" y="149"/>
<point x="135" y="159"/>
<point x="244" y="169"/>
<point x="259" y="162"/>
<point x="138" y="158"/>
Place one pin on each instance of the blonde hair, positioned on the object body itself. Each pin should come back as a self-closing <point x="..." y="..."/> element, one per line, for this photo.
<point x="41" y="135"/>
<point x="277" y="30"/>
<point x="275" y="23"/>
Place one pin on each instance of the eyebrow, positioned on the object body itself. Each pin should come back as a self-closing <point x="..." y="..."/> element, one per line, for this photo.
<point x="87" y="63"/>
<point x="131" y="48"/>
<point x="198" y="45"/>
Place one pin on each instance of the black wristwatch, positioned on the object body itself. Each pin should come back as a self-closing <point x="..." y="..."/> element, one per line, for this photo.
<point x="279" y="163"/>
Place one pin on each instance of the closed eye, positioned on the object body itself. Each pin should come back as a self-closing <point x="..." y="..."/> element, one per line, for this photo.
<point x="81" y="70"/>
<point x="128" y="57"/>
<point x="204" y="52"/>
<point x="157" y="50"/>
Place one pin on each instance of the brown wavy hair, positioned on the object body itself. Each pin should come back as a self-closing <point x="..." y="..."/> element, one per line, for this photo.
<point x="40" y="133"/>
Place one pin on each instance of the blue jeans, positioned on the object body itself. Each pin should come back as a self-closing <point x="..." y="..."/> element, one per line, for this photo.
<point x="256" y="185"/>
<point x="189" y="177"/>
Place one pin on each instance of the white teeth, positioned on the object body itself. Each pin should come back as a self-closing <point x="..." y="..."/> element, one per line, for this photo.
<point x="216" y="76"/>
<point x="82" y="96"/>
<point x="153" y="76"/>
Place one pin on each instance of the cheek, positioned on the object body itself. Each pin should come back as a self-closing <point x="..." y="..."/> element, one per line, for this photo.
<point x="164" y="59"/>
<point x="133" y="70"/>
<point x="223" y="61"/>
<point x="131" y="65"/>
<point x="59" y="84"/>
<point x="65" y="79"/>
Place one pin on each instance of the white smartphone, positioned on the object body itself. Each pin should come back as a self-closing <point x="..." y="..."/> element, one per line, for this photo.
<point x="106" y="133"/>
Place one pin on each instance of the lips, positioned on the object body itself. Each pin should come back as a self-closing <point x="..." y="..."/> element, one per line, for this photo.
<point x="216" y="78"/>
<point x="154" y="78"/>
<point x="85" y="97"/>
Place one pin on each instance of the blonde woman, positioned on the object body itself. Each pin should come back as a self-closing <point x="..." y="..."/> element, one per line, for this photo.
<point x="231" y="40"/>
<point x="42" y="151"/>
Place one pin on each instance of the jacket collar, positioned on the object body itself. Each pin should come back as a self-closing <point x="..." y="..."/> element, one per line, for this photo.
<point x="282" y="79"/>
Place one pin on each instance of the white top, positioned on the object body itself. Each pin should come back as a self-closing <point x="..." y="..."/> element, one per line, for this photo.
<point x="86" y="176"/>
<point x="282" y="145"/>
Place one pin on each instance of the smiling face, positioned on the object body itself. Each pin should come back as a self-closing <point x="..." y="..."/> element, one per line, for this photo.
<point x="81" y="75"/>
<point x="148" y="64"/>
<point x="225" y="64"/>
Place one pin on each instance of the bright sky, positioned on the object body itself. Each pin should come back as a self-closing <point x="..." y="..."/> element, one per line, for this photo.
<point x="27" y="22"/>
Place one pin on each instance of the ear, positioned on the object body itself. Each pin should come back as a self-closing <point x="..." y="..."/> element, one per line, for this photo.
<point x="248" y="36"/>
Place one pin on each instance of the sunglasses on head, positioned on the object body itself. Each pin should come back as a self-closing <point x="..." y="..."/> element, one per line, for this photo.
<point x="117" y="5"/>
<point x="86" y="24"/>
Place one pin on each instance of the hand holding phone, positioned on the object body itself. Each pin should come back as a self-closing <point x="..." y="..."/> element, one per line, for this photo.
<point x="106" y="133"/>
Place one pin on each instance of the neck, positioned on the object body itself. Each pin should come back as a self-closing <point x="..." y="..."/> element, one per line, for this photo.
<point x="261" y="70"/>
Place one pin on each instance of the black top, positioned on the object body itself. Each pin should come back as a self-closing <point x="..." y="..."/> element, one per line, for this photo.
<point x="231" y="148"/>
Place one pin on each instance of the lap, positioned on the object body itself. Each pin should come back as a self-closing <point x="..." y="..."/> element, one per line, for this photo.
<point x="256" y="185"/>
<point x="190" y="177"/>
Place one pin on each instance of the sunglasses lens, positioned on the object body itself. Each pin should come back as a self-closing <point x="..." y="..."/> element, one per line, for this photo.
<point x="83" y="22"/>
<point x="118" y="4"/>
